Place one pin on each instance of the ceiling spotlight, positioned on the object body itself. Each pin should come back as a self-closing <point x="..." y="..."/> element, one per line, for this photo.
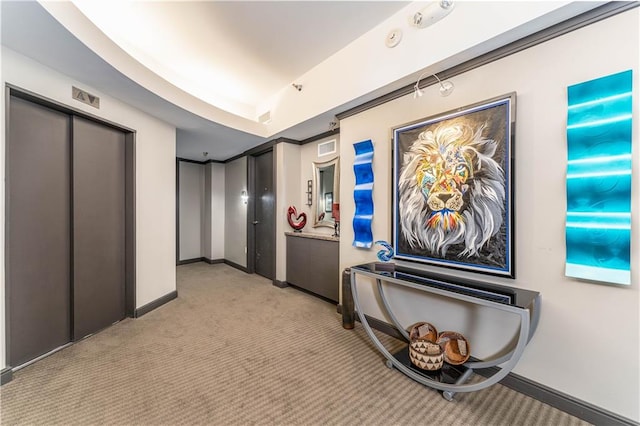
<point x="431" y="14"/>
<point x="298" y="87"/>
<point x="446" y="87"/>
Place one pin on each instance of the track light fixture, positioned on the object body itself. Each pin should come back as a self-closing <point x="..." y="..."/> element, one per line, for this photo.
<point x="446" y="87"/>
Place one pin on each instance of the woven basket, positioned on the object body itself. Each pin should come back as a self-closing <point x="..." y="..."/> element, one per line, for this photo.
<point x="455" y="347"/>
<point x="426" y="354"/>
<point x="423" y="330"/>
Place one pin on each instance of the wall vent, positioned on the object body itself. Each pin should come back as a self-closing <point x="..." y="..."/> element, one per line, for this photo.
<point x="85" y="97"/>
<point x="265" y="118"/>
<point x="326" y="148"/>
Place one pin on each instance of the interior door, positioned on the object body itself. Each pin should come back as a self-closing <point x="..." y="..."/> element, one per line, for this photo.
<point x="38" y="230"/>
<point x="98" y="226"/>
<point x="264" y="215"/>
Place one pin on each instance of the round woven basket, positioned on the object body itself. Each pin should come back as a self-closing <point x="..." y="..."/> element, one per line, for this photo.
<point x="423" y="330"/>
<point x="426" y="354"/>
<point x="455" y="347"/>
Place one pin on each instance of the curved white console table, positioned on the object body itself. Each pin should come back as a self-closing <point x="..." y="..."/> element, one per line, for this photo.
<point x="525" y="304"/>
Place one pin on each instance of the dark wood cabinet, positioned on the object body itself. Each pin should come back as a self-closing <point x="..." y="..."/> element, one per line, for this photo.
<point x="312" y="264"/>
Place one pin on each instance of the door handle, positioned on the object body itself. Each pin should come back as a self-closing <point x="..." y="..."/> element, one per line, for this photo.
<point x="255" y="222"/>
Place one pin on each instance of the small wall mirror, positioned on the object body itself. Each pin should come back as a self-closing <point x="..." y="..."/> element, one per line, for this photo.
<point x="326" y="191"/>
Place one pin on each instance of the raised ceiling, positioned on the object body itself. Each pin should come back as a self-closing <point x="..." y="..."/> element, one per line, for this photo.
<point x="234" y="55"/>
<point x="211" y="68"/>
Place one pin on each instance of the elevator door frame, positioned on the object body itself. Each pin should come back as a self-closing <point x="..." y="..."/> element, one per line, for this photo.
<point x="130" y="207"/>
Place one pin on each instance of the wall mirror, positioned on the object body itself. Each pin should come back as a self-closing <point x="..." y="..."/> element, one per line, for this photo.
<point x="326" y="191"/>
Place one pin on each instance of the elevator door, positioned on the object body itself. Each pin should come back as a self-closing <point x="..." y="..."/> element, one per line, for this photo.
<point x="98" y="227"/>
<point x="37" y="230"/>
<point x="65" y="228"/>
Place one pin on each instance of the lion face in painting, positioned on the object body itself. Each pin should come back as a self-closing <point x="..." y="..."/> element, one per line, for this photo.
<point x="451" y="190"/>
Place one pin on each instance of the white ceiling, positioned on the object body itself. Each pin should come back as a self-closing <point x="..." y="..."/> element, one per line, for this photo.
<point x="263" y="45"/>
<point x="234" y="54"/>
<point x="211" y="68"/>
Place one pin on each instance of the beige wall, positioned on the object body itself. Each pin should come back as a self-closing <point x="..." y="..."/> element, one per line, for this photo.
<point x="207" y="220"/>
<point x="202" y="210"/>
<point x="294" y="165"/>
<point x="287" y="194"/>
<point x="587" y="343"/>
<point x="309" y="155"/>
<point x="192" y="209"/>
<point x="235" y="216"/>
<point x="217" y="219"/>
<point x="154" y="176"/>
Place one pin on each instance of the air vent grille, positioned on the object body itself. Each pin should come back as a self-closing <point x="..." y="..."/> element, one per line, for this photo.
<point x="326" y="148"/>
<point x="265" y="118"/>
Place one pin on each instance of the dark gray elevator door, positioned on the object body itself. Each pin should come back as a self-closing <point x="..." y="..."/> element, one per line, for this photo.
<point x="37" y="230"/>
<point x="98" y="227"/>
<point x="264" y="215"/>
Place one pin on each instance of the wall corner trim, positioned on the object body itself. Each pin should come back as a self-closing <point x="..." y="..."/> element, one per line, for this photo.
<point x="280" y="284"/>
<point x="199" y="259"/>
<point x="235" y="265"/>
<point x="187" y="261"/>
<point x="320" y="136"/>
<point x="155" y="304"/>
<point x="6" y="375"/>
<point x="562" y="401"/>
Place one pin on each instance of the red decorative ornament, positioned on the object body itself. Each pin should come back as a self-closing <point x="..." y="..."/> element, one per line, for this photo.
<point x="335" y="211"/>
<point x="296" y="221"/>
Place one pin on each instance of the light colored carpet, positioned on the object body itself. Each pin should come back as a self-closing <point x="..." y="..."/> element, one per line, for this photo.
<point x="235" y="350"/>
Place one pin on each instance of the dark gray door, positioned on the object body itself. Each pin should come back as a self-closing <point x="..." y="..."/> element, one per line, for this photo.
<point x="264" y="215"/>
<point x="98" y="227"/>
<point x="37" y="230"/>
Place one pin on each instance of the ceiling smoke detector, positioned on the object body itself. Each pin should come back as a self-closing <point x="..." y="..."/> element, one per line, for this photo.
<point x="393" y="38"/>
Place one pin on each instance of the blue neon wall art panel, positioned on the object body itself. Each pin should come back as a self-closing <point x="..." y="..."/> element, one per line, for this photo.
<point x="598" y="228"/>
<point x="362" y="194"/>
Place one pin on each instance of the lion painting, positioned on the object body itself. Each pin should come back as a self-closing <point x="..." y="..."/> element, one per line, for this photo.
<point x="451" y="190"/>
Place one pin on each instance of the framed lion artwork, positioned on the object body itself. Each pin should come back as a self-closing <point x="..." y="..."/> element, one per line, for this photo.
<point x="453" y="180"/>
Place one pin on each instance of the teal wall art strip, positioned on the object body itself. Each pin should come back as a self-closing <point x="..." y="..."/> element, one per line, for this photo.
<point x="598" y="228"/>
<point x="362" y="194"/>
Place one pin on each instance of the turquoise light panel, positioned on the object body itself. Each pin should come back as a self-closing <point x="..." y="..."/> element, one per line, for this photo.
<point x="598" y="231"/>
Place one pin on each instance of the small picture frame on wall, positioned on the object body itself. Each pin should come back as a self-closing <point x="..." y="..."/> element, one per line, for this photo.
<point x="453" y="188"/>
<point x="328" y="201"/>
